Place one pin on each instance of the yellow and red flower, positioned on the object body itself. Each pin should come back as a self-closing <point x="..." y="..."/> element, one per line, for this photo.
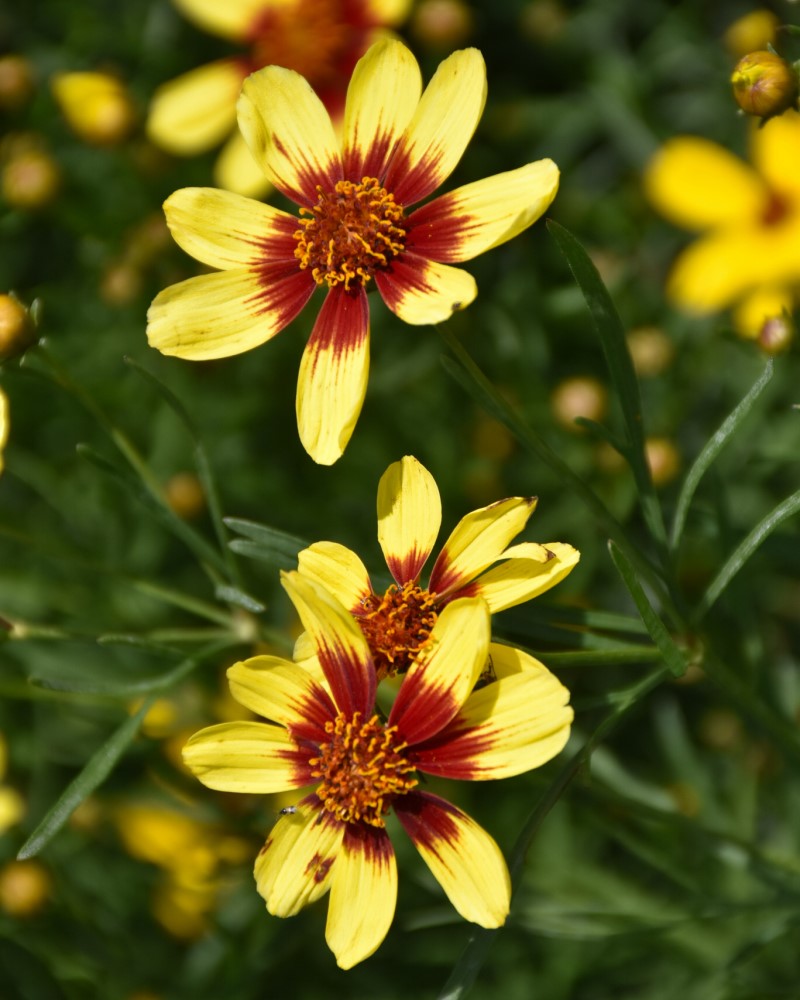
<point x="353" y="228"/>
<point x="749" y="254"/>
<point x="322" y="39"/>
<point x="328" y="732"/>
<point x="475" y="561"/>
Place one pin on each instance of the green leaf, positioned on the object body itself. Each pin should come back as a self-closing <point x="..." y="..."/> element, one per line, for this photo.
<point x="673" y="657"/>
<point x="232" y="595"/>
<point x="714" y="446"/>
<point x="620" y="365"/>
<point x="93" y="774"/>
<point x="743" y="552"/>
<point x="268" y="544"/>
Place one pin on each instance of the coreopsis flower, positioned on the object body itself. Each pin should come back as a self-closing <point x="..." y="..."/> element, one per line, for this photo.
<point x="328" y="733"/>
<point x="749" y="217"/>
<point x="353" y="230"/>
<point x="322" y="39"/>
<point x="475" y="561"/>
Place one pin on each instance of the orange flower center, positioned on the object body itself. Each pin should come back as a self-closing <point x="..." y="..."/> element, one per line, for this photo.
<point x="776" y="210"/>
<point x="397" y="626"/>
<point x="350" y="233"/>
<point x="362" y="768"/>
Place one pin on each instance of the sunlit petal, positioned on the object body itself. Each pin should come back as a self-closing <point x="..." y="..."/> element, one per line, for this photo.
<point x="231" y="19"/>
<point x="282" y="692"/>
<point x="363" y="894"/>
<point x="247" y="757"/>
<point x="339" y="570"/>
<point x="519" y="579"/>
<point x="197" y="110"/>
<point x="776" y="153"/>
<point x="462" y="856"/>
<point x="236" y="170"/>
<point x="470" y="220"/>
<point x="422" y="291"/>
<point x="409" y="517"/>
<point x="332" y="381"/>
<point x="388" y="12"/>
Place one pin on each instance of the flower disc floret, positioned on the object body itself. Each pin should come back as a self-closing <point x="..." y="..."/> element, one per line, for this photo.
<point x="361" y="768"/>
<point x="397" y="626"/>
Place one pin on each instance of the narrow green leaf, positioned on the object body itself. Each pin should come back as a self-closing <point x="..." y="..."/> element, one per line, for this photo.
<point x="232" y="595"/>
<point x="743" y="552"/>
<point x="620" y="365"/>
<point x="262" y="542"/>
<point x="673" y="657"/>
<point x="93" y="774"/>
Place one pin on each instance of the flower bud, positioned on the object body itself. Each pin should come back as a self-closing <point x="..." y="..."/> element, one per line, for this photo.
<point x="185" y="495"/>
<point x="442" y="24"/>
<point x="651" y="349"/>
<point x="97" y="106"/>
<point x="24" y="888"/>
<point x="30" y="177"/>
<point x="776" y="334"/>
<point x="663" y="458"/>
<point x="754" y="30"/>
<point x="17" y="330"/>
<point x="582" y="396"/>
<point x="764" y="84"/>
<point x="16" y="82"/>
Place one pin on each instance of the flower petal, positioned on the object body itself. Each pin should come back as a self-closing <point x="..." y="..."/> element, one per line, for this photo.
<point x="409" y="517"/>
<point x="294" y="867"/>
<point x="232" y="19"/>
<point x="697" y="184"/>
<point x="776" y="153"/>
<point x="382" y="97"/>
<point x="247" y="757"/>
<point x="363" y="895"/>
<point x="387" y="11"/>
<point x="341" y="647"/>
<point x="444" y="672"/>
<point x="289" y="132"/>
<point x="4" y="425"/>
<point x="226" y="230"/>
<point x="282" y="692"/>
<point x="762" y="304"/>
<point x="236" y="170"/>
<point x="422" y="291"/>
<point x="477" y="541"/>
<point x="443" y="124"/>
<point x="219" y="315"/>
<point x="519" y="579"/>
<point x="472" y="219"/>
<point x="195" y="111"/>
<point x="333" y="376"/>
<point x="462" y="856"/>
<point x="512" y="725"/>
<point x="338" y="569"/>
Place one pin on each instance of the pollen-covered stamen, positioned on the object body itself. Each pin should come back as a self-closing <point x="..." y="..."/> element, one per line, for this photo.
<point x="362" y="768"/>
<point x="397" y="626"/>
<point x="350" y="233"/>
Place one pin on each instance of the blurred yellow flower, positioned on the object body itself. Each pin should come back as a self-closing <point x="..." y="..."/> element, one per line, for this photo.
<point x="749" y="216"/>
<point x="321" y="39"/>
<point x="97" y="106"/>
<point x="754" y="30"/>
<point x="24" y="887"/>
<point x="12" y="808"/>
<point x="3" y="439"/>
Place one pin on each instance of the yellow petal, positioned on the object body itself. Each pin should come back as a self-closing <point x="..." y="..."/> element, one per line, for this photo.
<point x="226" y="230"/>
<point x="246" y="757"/>
<point x="363" y="895"/>
<point x="409" y="517"/>
<point x="338" y="569"/>
<point x="697" y="184"/>
<point x="382" y="97"/>
<point x="472" y="219"/>
<point x="196" y="111"/>
<point x="4" y="426"/>
<point x="462" y="856"/>
<point x="422" y="291"/>
<point x="232" y="19"/>
<point x="282" y="692"/>
<point x="513" y="725"/>
<point x="763" y="304"/>
<point x="776" y="153"/>
<point x="236" y="170"/>
<point x="443" y="124"/>
<point x="444" y="672"/>
<point x="289" y="133"/>
<point x="219" y="315"/>
<point x="478" y="540"/>
<point x="333" y="375"/>
<point x="519" y="579"/>
<point x="388" y="12"/>
<point x="12" y="807"/>
<point x="294" y="867"/>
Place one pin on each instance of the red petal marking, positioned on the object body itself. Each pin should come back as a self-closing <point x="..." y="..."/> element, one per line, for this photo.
<point x="372" y="841"/>
<point x="369" y="158"/>
<point x="435" y="231"/>
<point x="284" y="290"/>
<point x="405" y="273"/>
<point x="454" y="752"/>
<point x="411" y="182"/>
<point x="315" y="709"/>
<point x="407" y="567"/>
<point x="343" y="321"/>
<point x="299" y="757"/>
<point x="308" y="174"/>
<point x="421" y="710"/>
<point x="427" y="819"/>
<point x="351" y="679"/>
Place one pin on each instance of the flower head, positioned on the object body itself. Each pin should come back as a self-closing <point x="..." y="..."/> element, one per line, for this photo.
<point x="353" y="230"/>
<point x="399" y="622"/>
<point x="322" y="39"/>
<point x="328" y="733"/>
<point x="750" y="216"/>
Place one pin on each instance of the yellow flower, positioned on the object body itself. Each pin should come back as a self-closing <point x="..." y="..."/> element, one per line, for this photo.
<point x="327" y="733"/>
<point x="322" y="39"/>
<point x="97" y="106"/>
<point x="475" y="561"/>
<point x="750" y="216"/>
<point x="4" y="425"/>
<point x="353" y="227"/>
<point x="12" y="808"/>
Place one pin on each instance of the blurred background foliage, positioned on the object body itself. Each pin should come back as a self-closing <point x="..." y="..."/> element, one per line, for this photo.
<point x="671" y="865"/>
